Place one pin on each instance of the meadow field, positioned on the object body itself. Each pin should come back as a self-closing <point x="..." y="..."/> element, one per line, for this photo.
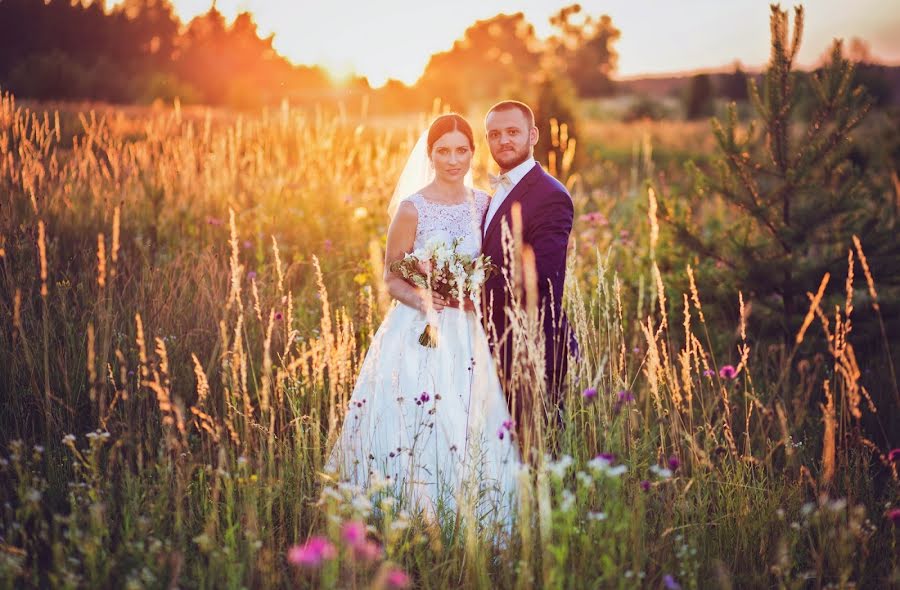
<point x="186" y="296"/>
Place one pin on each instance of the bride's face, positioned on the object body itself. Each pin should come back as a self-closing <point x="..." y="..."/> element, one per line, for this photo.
<point x="452" y="156"/>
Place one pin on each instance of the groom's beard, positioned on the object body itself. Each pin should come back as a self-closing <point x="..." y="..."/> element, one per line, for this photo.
<point x="513" y="159"/>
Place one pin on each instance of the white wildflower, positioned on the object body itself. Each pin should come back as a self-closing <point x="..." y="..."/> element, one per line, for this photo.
<point x="559" y="468"/>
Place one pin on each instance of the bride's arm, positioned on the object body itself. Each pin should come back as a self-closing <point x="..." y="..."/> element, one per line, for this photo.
<point x="400" y="241"/>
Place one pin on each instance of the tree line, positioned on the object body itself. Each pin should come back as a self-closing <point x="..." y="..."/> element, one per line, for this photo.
<point x="139" y="51"/>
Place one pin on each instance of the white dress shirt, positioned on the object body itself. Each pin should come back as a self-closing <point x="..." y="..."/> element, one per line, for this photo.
<point x="508" y="182"/>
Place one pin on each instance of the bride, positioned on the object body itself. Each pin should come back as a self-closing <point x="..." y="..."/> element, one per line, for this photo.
<point x="432" y="421"/>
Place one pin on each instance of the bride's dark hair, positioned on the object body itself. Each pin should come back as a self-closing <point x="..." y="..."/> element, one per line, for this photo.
<point x="446" y="124"/>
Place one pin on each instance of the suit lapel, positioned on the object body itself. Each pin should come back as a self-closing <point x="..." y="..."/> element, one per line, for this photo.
<point x="520" y="190"/>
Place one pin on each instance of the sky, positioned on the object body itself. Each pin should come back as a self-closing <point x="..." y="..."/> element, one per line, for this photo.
<point x="383" y="39"/>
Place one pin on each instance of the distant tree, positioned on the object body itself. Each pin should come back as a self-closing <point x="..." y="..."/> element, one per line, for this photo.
<point x="734" y="86"/>
<point x="794" y="198"/>
<point x="699" y="100"/>
<point x="583" y="48"/>
<point x="495" y="57"/>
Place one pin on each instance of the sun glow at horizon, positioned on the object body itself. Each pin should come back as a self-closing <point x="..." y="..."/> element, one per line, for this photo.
<point x="393" y="39"/>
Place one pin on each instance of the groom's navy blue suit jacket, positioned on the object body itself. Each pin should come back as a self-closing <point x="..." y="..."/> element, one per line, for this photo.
<point x="547" y="216"/>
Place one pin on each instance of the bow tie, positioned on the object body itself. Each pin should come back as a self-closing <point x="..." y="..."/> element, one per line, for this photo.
<point x="497" y="181"/>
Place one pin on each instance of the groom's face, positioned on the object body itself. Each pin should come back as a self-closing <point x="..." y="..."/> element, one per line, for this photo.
<point x="510" y="137"/>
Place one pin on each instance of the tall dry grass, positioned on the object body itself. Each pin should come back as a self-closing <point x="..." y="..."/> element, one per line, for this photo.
<point x="170" y="392"/>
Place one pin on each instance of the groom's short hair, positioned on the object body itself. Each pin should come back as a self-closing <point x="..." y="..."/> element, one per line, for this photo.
<point x="514" y="105"/>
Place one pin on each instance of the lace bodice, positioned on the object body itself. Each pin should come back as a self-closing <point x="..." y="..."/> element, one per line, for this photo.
<point x="462" y="220"/>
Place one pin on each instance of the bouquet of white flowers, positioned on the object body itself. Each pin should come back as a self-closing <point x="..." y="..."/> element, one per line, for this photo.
<point x="439" y="266"/>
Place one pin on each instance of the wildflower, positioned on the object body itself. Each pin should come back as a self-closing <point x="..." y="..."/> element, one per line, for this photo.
<point x="596" y="516"/>
<point x="674" y="463"/>
<point x="312" y="553"/>
<point x="670" y="583"/>
<point x="708" y="373"/>
<point x="508" y="425"/>
<point x="279" y="315"/>
<point x="397" y="578"/>
<point x="251" y="275"/>
<point x="68" y="439"/>
<point x="327" y="243"/>
<point x="424" y="397"/>
<point x="500" y="434"/>
<point x="602" y="464"/>
<point x="367" y="551"/>
<point x="894" y="455"/>
<point x="360" y="213"/>
<point x="362" y="505"/>
<point x="594" y="217"/>
<point x="661" y="472"/>
<point x="247" y="244"/>
<point x="589" y="394"/>
<point x="727" y="372"/>
<point x="894" y="516"/>
<point x="568" y="501"/>
<point x="622" y="398"/>
<point x="645" y="485"/>
<point x="636" y="350"/>
<point x="214" y="221"/>
<point x="33" y="495"/>
<point x="353" y="533"/>
<point x="559" y="468"/>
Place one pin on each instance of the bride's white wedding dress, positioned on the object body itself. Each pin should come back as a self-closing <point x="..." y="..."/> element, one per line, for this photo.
<point x="433" y="422"/>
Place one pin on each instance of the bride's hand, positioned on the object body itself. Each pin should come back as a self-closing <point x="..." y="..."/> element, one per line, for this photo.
<point x="438" y="302"/>
<point x="466" y="304"/>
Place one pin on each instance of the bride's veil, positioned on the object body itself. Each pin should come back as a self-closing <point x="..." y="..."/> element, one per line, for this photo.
<point x="417" y="173"/>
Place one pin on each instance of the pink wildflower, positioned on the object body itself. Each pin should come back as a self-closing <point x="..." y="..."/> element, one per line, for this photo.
<point x="397" y="578"/>
<point x="312" y="553"/>
<point x="727" y="372"/>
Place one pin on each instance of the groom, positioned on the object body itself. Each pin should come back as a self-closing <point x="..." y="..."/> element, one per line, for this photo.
<point x="547" y="214"/>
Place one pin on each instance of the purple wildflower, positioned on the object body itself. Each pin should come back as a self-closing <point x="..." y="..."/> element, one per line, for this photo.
<point x="670" y="583"/>
<point x="708" y="373"/>
<point x="279" y="315"/>
<point x="674" y="463"/>
<point x="247" y="244"/>
<point x="500" y="434"/>
<point x="727" y="372"/>
<point x="424" y="397"/>
<point x="251" y="275"/>
<point x="894" y="516"/>
<point x="312" y="553"/>
<point x="645" y="485"/>
<point x="622" y="398"/>
<point x="509" y="424"/>
<point x="589" y="393"/>
<point x="606" y="456"/>
<point x="894" y="455"/>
